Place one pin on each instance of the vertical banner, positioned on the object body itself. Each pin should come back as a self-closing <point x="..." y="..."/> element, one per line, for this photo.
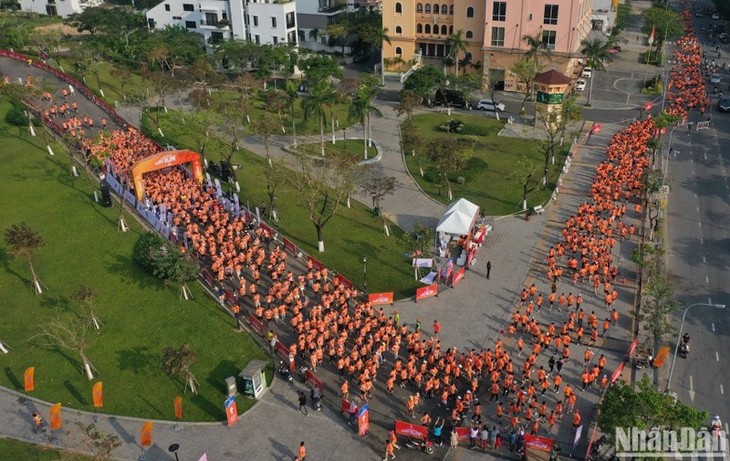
<point x="145" y="434"/>
<point x="29" y="378"/>
<point x="55" y="417"/>
<point x="97" y="394"/>
<point x="231" y="411"/>
<point x="178" y="407"/>
<point x="617" y="373"/>
<point x="363" y="420"/>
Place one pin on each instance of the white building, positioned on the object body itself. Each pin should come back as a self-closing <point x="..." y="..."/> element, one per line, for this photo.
<point x="63" y="8"/>
<point x="261" y="21"/>
<point x="603" y="15"/>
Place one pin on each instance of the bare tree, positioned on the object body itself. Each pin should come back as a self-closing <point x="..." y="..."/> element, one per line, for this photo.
<point x="100" y="444"/>
<point x="69" y="333"/>
<point x="177" y="362"/>
<point x="266" y="128"/>
<point x="22" y="241"/>
<point x="379" y="187"/>
<point x="87" y="298"/>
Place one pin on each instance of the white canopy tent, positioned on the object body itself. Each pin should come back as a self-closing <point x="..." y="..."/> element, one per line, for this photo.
<point x="459" y="218"/>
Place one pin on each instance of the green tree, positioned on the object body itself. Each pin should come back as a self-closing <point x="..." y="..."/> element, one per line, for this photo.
<point x="408" y="102"/>
<point x="525" y="71"/>
<point x="362" y="107"/>
<point x="292" y="93"/>
<point x="338" y="32"/>
<point x="424" y="80"/>
<point x="666" y="23"/>
<point x="449" y="156"/>
<point x="104" y="20"/>
<point x="535" y="47"/>
<point x="456" y="44"/>
<point x="556" y="123"/>
<point x="376" y="36"/>
<point x="645" y="408"/>
<point x="314" y="105"/>
<point x="596" y="52"/>
<point x="658" y="306"/>
<point x="419" y="241"/>
<point x="265" y="128"/>
<point x="23" y="242"/>
<point x="413" y="143"/>
<point x="276" y="101"/>
<point x="177" y="363"/>
<point x="522" y="174"/>
<point x="174" y="46"/>
<point x="314" y="34"/>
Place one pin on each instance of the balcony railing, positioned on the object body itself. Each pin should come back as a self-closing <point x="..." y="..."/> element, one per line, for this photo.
<point x="222" y="24"/>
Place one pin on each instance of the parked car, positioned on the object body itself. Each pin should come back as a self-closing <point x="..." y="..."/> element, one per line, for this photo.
<point x="715" y="79"/>
<point x="715" y="16"/>
<point x="580" y="84"/>
<point x="490" y="105"/>
<point x="723" y="105"/>
<point x="360" y="57"/>
<point x="587" y="72"/>
<point x="614" y="49"/>
<point x="698" y="14"/>
<point x="452" y="98"/>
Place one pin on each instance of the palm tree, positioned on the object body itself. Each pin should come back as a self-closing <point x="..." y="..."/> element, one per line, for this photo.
<point x="376" y="36"/>
<point x="596" y="52"/>
<point x="314" y="105"/>
<point x="292" y="91"/>
<point x="24" y="242"/>
<point x="456" y="43"/>
<point x="536" y="46"/>
<point x="314" y="34"/>
<point x="362" y="107"/>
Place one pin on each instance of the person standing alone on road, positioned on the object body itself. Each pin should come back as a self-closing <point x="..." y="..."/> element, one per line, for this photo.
<point x="303" y="403"/>
<point x="436" y="328"/>
<point x="489" y="268"/>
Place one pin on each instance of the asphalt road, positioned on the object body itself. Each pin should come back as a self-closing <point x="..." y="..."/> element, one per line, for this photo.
<point x="698" y="244"/>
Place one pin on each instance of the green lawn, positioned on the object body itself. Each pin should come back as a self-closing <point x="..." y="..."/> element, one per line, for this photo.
<point x="350" y="235"/>
<point x="354" y="147"/>
<point x="15" y="450"/>
<point x="487" y="174"/>
<point x="141" y="315"/>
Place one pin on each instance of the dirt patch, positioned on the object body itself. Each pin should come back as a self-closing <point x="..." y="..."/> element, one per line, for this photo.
<point x="60" y="27"/>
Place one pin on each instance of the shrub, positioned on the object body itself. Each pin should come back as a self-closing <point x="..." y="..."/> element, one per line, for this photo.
<point x="452" y="126"/>
<point x="16" y="116"/>
<point x="146" y="249"/>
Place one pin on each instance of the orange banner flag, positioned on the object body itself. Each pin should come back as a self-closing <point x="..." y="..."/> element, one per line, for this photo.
<point x="29" y="377"/>
<point x="55" y="417"/>
<point x="145" y="435"/>
<point x="661" y="356"/>
<point x="97" y="394"/>
<point x="178" y="407"/>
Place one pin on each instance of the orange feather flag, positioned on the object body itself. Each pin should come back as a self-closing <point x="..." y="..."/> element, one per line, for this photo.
<point x="55" y="416"/>
<point x="145" y="435"/>
<point x="29" y="378"/>
<point x="661" y="356"/>
<point x="97" y="394"/>
<point x="178" y="407"/>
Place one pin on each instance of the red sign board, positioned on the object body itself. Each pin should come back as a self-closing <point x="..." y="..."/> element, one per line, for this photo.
<point x="363" y="420"/>
<point x="458" y="275"/>
<point x="408" y="429"/>
<point x="315" y="263"/>
<point x="617" y="373"/>
<point x="256" y="323"/>
<point x="536" y="442"/>
<point x="648" y="106"/>
<point x="265" y="227"/>
<point x="281" y="350"/>
<point x="633" y="346"/>
<point x="377" y="299"/>
<point x="427" y="291"/>
<point x="313" y="380"/>
<point x="463" y="433"/>
<point x="208" y="277"/>
<point x="343" y="281"/>
<point x="596" y="128"/>
<point x="289" y="246"/>
<point x="231" y="411"/>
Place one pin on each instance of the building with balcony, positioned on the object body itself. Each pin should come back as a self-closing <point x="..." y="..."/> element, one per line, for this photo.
<point x="263" y="21"/>
<point x="493" y="32"/>
<point x="63" y="8"/>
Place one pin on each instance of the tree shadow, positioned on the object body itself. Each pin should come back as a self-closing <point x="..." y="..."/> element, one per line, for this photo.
<point x="124" y="267"/>
<point x="156" y="409"/>
<point x="74" y="392"/>
<point x="215" y="410"/>
<point x="138" y="359"/>
<point x="5" y="263"/>
<point x="224" y="369"/>
<point x="59" y="303"/>
<point x="280" y="452"/>
<point x="14" y="381"/>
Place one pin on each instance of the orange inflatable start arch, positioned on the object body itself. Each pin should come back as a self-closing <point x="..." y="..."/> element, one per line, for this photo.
<point x="163" y="160"/>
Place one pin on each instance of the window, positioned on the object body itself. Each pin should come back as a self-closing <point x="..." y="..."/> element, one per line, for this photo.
<point x="211" y="19"/>
<point x="398" y="30"/>
<point x="188" y="7"/>
<point x="419" y="28"/>
<point x="428" y="28"/>
<point x="436" y="8"/>
<point x="469" y="34"/>
<point x="190" y="25"/>
<point x="469" y="56"/>
<point x="470" y="12"/>
<point x="177" y="18"/>
<point x="419" y="7"/>
<point x="257" y="39"/>
<point x="499" y="11"/>
<point x="497" y="36"/>
<point x="276" y="40"/>
<point x="273" y="22"/>
<point x="451" y="10"/>
<point x="428" y="8"/>
<point x="451" y="29"/>
<point x="290" y="20"/>
<point x="548" y="38"/>
<point x="398" y="51"/>
<point x="398" y="8"/>
<point x="150" y="23"/>
<point x="551" y="14"/>
<point x="444" y="30"/>
<point x="256" y="21"/>
<point x="216" y="37"/>
<point x="167" y="7"/>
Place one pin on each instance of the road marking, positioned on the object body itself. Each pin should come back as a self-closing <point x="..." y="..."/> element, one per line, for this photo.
<point x="699" y="224"/>
<point x="722" y="389"/>
<point x="713" y="327"/>
<point x="701" y="241"/>
<point x="707" y="279"/>
<point x="704" y="261"/>
<point x="693" y="172"/>
<point x="695" y="195"/>
<point x="717" y="356"/>
<point x="705" y="155"/>
<point x="691" y="389"/>
<point x="698" y="209"/>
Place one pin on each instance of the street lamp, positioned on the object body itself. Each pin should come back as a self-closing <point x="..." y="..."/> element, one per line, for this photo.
<point x="365" y="273"/>
<point x="679" y="337"/>
<point x="173" y="449"/>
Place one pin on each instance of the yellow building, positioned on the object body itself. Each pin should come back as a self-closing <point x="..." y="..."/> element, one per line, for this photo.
<point x="493" y="32"/>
